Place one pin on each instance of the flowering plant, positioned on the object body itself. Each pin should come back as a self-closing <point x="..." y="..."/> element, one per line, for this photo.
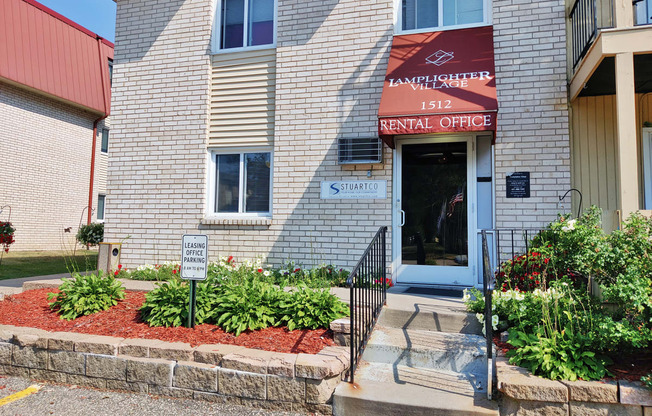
<point x="6" y="235"/>
<point x="386" y="280"/>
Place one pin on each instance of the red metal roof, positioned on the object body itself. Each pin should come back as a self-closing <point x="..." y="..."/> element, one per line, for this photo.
<point x="41" y="49"/>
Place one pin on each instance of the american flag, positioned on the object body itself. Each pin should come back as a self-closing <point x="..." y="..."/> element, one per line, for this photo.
<point x="459" y="197"/>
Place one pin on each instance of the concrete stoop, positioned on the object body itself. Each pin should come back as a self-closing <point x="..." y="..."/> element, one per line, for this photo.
<point x="410" y="367"/>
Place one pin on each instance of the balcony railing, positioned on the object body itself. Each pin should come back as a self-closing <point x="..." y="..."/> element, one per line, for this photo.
<point x="588" y="17"/>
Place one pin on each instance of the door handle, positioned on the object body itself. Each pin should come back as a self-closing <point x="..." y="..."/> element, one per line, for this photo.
<point x="402" y="218"/>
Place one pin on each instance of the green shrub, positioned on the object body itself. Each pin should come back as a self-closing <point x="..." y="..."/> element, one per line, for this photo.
<point x="306" y="308"/>
<point x="250" y="305"/>
<point x="647" y="381"/>
<point x="85" y="295"/>
<point x="563" y="355"/>
<point x="579" y="246"/>
<point x="168" y="304"/>
<point x="91" y="234"/>
<point x="627" y="282"/>
<point x="321" y="276"/>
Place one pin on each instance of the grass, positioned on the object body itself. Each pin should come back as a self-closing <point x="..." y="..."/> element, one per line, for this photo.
<point x="17" y="264"/>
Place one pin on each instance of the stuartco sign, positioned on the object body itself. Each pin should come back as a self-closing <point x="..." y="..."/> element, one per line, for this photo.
<point x="353" y="189"/>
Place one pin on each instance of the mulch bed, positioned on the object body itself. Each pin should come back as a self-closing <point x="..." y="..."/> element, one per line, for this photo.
<point x="31" y="309"/>
<point x="625" y="367"/>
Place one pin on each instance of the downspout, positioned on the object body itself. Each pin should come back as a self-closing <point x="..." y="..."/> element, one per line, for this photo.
<point x="95" y="123"/>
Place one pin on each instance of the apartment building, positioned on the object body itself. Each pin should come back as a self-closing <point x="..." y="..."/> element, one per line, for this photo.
<point x="54" y="135"/>
<point x="294" y="129"/>
<point x="610" y="72"/>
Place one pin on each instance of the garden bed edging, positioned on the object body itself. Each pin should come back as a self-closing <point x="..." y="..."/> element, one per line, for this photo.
<point x="526" y="394"/>
<point x="217" y="372"/>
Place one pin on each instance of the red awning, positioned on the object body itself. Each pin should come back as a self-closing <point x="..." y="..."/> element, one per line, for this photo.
<point x="439" y="82"/>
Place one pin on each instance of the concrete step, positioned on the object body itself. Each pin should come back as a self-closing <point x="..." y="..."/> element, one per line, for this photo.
<point x="389" y="389"/>
<point x="431" y="317"/>
<point x="462" y="353"/>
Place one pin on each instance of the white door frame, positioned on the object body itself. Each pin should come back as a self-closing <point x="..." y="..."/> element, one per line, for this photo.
<point x="647" y="165"/>
<point x="467" y="274"/>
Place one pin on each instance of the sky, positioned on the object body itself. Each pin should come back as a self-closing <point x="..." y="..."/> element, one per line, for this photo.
<point x="95" y="15"/>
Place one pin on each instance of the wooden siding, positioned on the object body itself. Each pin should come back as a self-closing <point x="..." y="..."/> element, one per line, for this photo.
<point x="594" y="151"/>
<point x="243" y="99"/>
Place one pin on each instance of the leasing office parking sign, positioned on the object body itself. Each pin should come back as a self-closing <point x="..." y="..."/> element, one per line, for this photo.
<point x="194" y="257"/>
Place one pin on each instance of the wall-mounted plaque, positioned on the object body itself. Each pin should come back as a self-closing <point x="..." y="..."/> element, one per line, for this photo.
<point x="518" y="185"/>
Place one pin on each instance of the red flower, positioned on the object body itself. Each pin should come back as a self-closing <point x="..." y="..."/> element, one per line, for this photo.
<point x="119" y="266"/>
<point x="116" y="273"/>
<point x="296" y="270"/>
<point x="260" y="270"/>
<point x="7" y="250"/>
<point x="230" y="259"/>
<point x="174" y="271"/>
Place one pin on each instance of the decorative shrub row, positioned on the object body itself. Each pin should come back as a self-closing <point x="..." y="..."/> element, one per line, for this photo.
<point x="237" y="306"/>
<point x="232" y="297"/>
<point x="290" y="274"/>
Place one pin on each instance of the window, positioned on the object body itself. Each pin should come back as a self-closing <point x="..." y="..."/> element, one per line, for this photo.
<point x="105" y="141"/>
<point x="642" y="12"/>
<point x="245" y="24"/>
<point x="100" y="207"/>
<point x="242" y="183"/>
<point x="111" y="71"/>
<point x="437" y="14"/>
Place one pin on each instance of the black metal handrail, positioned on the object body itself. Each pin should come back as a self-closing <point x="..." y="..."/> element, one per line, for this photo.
<point x="368" y="287"/>
<point x="488" y="283"/>
<point x="498" y="247"/>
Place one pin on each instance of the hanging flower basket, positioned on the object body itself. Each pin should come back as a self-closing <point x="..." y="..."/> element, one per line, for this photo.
<point x="6" y="236"/>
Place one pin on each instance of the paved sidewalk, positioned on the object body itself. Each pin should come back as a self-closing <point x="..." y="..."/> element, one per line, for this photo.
<point x="12" y="286"/>
<point x="65" y="400"/>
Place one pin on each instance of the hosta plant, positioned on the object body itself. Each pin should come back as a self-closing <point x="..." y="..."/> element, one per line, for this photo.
<point x="250" y="305"/>
<point x="306" y="308"/>
<point x="86" y="295"/>
<point x="168" y="304"/>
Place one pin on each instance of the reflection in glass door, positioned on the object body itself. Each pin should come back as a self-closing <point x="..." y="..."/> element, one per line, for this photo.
<point x="434" y="213"/>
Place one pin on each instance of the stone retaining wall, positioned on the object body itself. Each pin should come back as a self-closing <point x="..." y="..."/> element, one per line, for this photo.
<point x="525" y="394"/>
<point x="220" y="373"/>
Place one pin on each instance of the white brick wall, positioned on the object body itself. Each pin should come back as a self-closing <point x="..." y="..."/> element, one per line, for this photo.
<point x="533" y="126"/>
<point x="46" y="152"/>
<point x="331" y="62"/>
<point x="158" y="166"/>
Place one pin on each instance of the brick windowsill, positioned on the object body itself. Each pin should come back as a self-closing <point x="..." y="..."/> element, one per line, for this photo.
<point x="262" y="221"/>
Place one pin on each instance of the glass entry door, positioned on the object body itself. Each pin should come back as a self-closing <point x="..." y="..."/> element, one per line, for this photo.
<point x="435" y="226"/>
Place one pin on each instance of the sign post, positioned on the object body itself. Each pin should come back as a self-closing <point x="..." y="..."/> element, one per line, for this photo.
<point x="194" y="266"/>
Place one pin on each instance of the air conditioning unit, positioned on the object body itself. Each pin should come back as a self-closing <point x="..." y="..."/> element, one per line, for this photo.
<point x="359" y="151"/>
